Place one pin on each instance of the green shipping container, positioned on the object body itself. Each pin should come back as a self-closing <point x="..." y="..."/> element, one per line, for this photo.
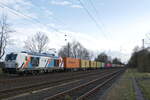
<point x="99" y="64"/>
<point x="103" y="64"/>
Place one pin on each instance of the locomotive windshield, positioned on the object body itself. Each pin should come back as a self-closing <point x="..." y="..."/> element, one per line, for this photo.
<point x="11" y="57"/>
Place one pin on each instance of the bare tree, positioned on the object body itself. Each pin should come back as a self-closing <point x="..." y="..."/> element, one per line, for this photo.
<point x="76" y="50"/>
<point x="116" y="61"/>
<point x="136" y="49"/>
<point x="103" y="57"/>
<point x="37" y="43"/>
<point x="63" y="52"/>
<point x="4" y="34"/>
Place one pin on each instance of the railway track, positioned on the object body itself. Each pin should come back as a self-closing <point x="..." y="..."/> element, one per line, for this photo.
<point x="22" y="81"/>
<point x="14" y="78"/>
<point x="83" y="91"/>
<point x="32" y="87"/>
<point x="93" y="92"/>
<point x="75" y="88"/>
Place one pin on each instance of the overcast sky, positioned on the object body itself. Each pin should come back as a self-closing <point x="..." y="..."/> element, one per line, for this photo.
<point x="122" y="23"/>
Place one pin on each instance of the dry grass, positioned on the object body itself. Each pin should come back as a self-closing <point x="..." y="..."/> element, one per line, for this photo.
<point x="123" y="89"/>
<point x="145" y="87"/>
<point x="144" y="83"/>
<point x="139" y="75"/>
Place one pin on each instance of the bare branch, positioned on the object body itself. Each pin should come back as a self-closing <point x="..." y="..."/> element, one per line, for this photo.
<point x="76" y="51"/>
<point x="37" y="43"/>
<point x="4" y="34"/>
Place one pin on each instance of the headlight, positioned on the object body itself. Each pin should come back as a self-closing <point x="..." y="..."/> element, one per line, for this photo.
<point x="16" y="65"/>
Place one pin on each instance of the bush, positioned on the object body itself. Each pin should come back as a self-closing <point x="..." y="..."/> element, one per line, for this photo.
<point x="140" y="60"/>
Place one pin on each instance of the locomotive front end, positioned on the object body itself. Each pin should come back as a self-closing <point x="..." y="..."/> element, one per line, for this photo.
<point x="10" y="63"/>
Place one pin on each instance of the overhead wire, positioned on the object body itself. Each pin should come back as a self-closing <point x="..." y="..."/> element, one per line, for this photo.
<point x="55" y="18"/>
<point x="18" y="13"/>
<point x="29" y="18"/>
<point x="98" y="17"/>
<point x="90" y="15"/>
<point x="97" y="14"/>
<point x="95" y="10"/>
<point x="92" y="18"/>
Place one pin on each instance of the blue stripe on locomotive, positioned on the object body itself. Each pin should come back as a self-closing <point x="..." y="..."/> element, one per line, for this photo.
<point x="29" y="65"/>
<point x="51" y="64"/>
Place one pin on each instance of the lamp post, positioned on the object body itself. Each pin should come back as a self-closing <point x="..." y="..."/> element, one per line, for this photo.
<point x="67" y="45"/>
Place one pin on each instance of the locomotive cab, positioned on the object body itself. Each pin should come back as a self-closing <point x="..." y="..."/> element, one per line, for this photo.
<point x="13" y="62"/>
<point x="10" y="63"/>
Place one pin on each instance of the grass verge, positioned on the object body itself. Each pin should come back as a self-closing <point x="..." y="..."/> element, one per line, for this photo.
<point x="145" y="87"/>
<point x="143" y="80"/>
<point x="123" y="89"/>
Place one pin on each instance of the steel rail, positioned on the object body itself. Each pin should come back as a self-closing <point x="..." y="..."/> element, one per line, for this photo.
<point x="95" y="89"/>
<point x="7" y="92"/>
<point x="62" y="94"/>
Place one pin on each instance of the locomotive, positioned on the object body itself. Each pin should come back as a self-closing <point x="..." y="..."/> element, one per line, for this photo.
<point x="26" y="62"/>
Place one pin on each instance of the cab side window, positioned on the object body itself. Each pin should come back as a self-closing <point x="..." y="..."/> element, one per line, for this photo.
<point x="35" y="61"/>
<point x="56" y="63"/>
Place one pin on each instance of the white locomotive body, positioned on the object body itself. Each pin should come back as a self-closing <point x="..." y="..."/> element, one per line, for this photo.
<point x="32" y="62"/>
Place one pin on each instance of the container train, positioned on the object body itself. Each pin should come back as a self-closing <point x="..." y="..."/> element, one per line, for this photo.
<point x="26" y="62"/>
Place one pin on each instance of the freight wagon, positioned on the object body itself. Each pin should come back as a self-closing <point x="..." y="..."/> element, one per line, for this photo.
<point x="108" y="65"/>
<point x="98" y="64"/>
<point x="93" y="64"/>
<point x="103" y="64"/>
<point x="71" y="63"/>
<point x="84" y="64"/>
